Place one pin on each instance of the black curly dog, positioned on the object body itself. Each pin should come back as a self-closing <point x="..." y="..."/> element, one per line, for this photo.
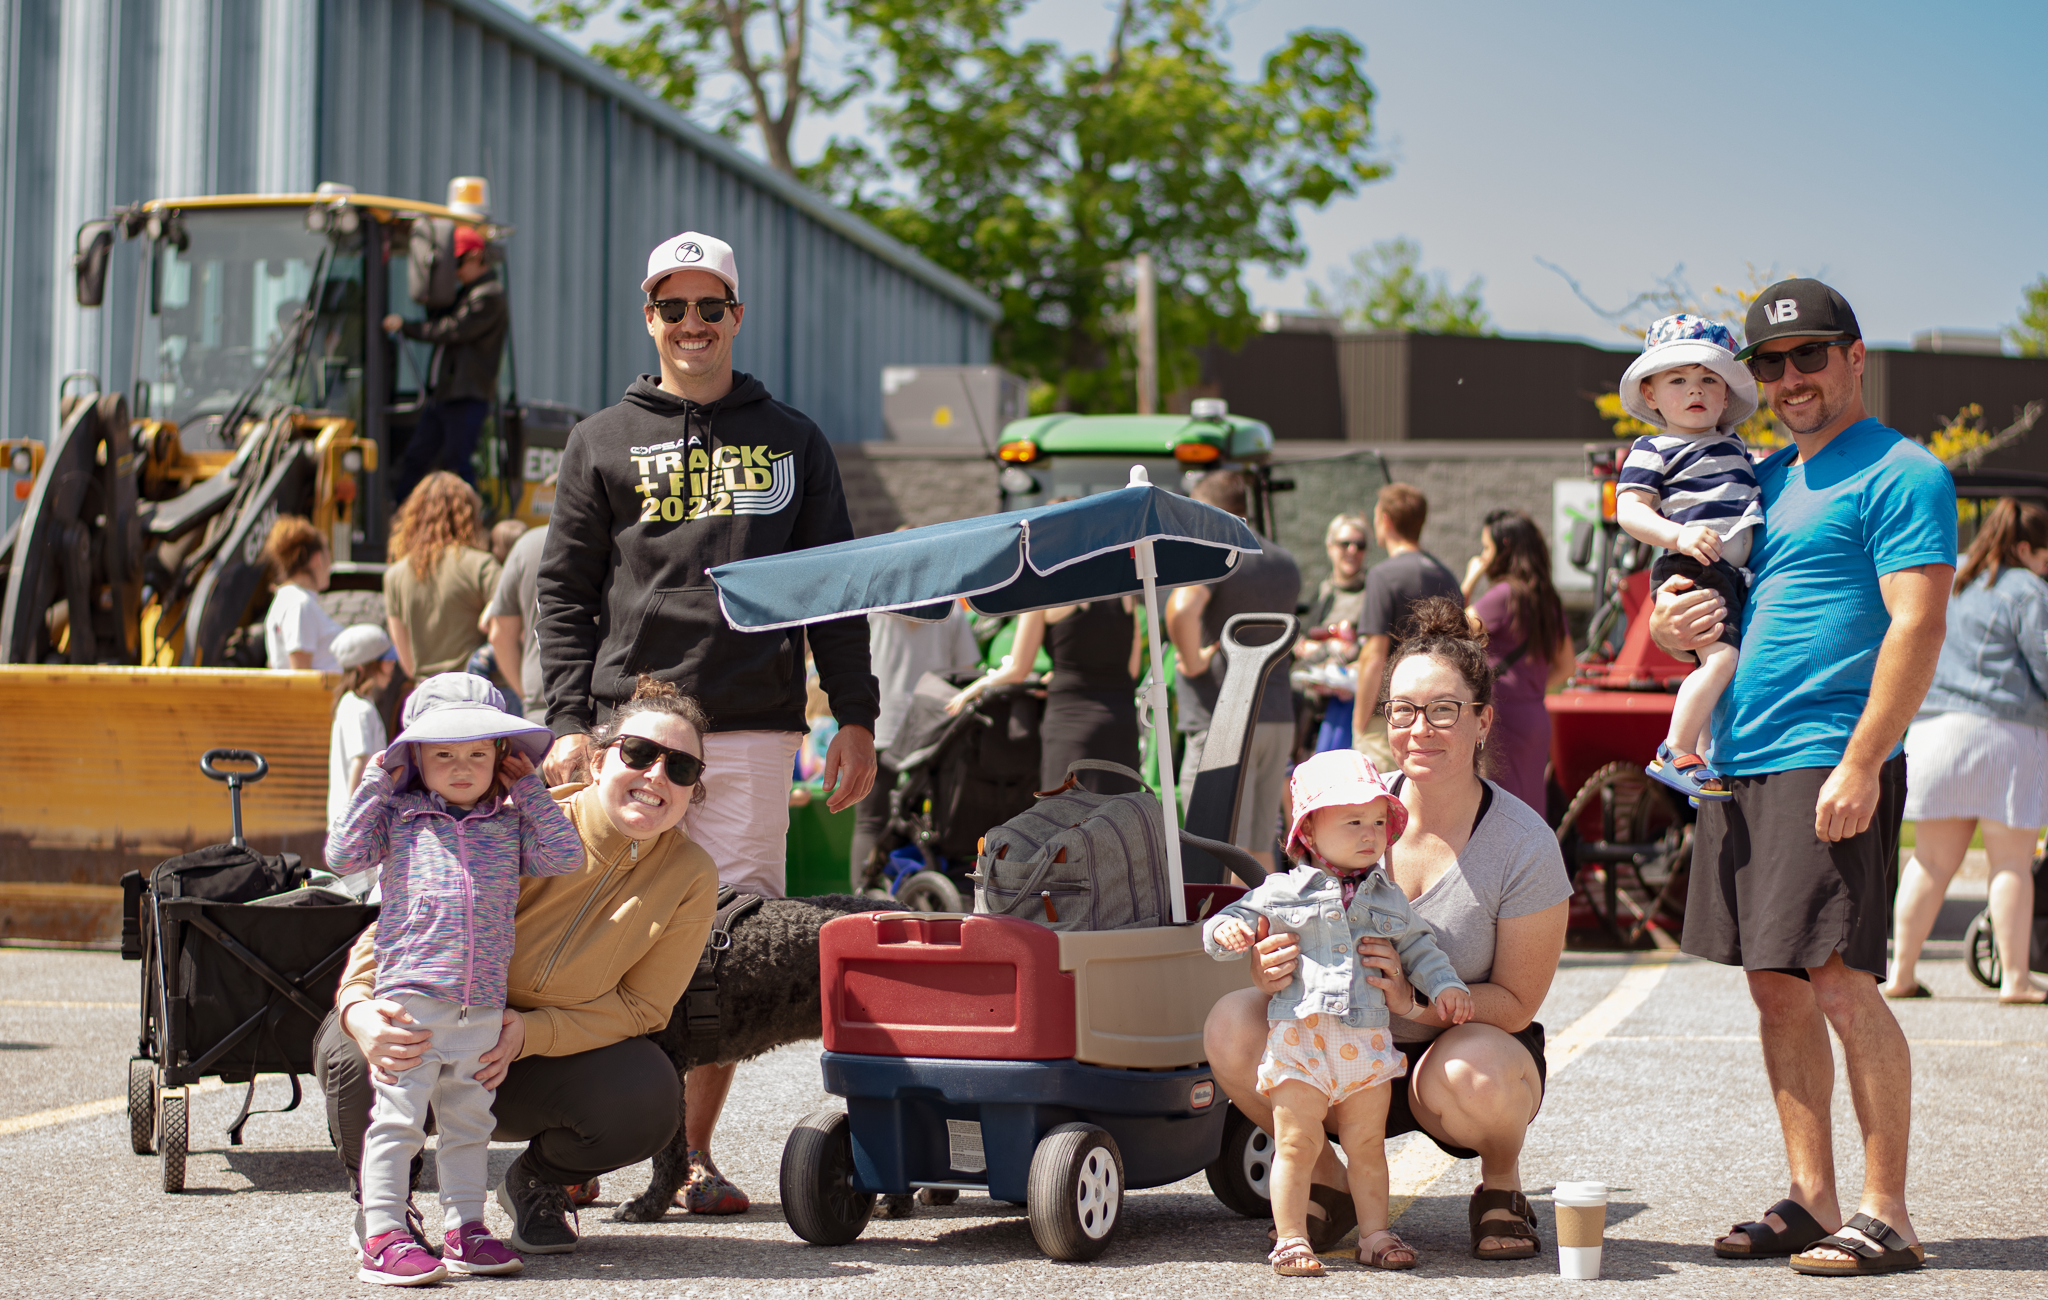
<point x="768" y="996"/>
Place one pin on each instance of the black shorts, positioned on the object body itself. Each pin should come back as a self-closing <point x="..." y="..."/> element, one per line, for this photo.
<point x="1719" y="576"/>
<point x="1768" y="894"/>
<point x="1400" y="1119"/>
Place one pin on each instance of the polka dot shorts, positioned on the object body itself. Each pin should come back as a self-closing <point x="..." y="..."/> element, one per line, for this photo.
<point x="1329" y="1056"/>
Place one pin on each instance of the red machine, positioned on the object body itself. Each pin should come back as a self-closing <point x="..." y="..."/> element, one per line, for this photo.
<point x="1626" y="839"/>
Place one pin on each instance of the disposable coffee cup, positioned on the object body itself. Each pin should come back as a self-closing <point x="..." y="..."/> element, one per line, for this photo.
<point x="1581" y="1228"/>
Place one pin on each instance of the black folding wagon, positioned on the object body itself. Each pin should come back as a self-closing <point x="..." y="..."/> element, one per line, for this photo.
<point x="240" y="961"/>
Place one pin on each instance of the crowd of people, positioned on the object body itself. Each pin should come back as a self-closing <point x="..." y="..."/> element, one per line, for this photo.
<point x="647" y="749"/>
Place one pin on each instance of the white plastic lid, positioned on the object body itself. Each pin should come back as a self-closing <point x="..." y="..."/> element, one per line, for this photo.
<point x="1580" y="1194"/>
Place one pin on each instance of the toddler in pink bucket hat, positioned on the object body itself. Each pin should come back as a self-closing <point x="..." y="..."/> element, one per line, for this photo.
<point x="1330" y="1054"/>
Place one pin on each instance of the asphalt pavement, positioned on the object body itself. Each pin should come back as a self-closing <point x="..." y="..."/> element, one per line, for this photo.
<point x="1657" y="1089"/>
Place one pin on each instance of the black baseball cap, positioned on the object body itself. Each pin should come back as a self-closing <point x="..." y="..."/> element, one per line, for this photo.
<point x="1797" y="309"/>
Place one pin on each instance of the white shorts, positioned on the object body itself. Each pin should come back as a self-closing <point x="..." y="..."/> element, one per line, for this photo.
<point x="743" y="822"/>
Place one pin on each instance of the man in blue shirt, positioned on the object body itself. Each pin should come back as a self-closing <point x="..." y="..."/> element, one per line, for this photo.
<point x="1792" y="880"/>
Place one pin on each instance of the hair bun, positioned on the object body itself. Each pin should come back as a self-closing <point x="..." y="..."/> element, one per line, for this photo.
<point x="649" y="687"/>
<point x="1438" y="616"/>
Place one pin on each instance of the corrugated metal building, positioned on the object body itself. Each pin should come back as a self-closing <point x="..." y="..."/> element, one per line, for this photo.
<point x="108" y="102"/>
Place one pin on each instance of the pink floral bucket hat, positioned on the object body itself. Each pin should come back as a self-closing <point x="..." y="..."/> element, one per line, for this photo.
<point x="1334" y="778"/>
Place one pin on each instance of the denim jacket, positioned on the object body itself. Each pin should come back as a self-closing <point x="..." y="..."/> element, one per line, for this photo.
<point x="1995" y="660"/>
<point x="1330" y="980"/>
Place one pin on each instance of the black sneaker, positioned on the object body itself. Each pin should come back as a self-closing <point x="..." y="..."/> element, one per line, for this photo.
<point x="542" y="1221"/>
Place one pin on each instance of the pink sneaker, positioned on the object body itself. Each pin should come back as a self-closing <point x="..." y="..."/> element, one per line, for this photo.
<point x="472" y="1249"/>
<point x="395" y="1259"/>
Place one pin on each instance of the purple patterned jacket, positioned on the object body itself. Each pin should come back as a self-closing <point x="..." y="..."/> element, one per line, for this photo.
<point x="451" y="882"/>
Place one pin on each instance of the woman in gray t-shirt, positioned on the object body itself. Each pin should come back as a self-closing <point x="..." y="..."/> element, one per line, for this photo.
<point x="1484" y="870"/>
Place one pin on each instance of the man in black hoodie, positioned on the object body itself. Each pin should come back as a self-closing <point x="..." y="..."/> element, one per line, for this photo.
<point x="695" y="468"/>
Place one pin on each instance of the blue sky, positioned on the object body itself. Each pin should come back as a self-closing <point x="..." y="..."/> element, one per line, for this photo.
<point x="1899" y="151"/>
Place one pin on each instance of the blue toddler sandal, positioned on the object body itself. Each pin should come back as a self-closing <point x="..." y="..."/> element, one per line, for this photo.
<point x="1689" y="775"/>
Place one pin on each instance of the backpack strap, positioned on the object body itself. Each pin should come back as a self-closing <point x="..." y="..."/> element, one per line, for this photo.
<point x="1089" y="765"/>
<point x="700" y="999"/>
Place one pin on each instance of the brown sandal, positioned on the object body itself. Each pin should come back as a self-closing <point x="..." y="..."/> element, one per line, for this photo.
<point x="1380" y="1256"/>
<point x="1294" y="1257"/>
<point x="1520" y="1228"/>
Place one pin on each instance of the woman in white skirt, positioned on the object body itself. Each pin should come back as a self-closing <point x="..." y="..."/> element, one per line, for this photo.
<point x="1977" y="754"/>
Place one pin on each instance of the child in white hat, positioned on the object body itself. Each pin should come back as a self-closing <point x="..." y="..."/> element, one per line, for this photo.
<point x="365" y="658"/>
<point x="1329" y="1052"/>
<point x="455" y="814"/>
<point x="1690" y="489"/>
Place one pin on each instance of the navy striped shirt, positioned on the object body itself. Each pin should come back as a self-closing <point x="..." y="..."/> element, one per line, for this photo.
<point x="1705" y="479"/>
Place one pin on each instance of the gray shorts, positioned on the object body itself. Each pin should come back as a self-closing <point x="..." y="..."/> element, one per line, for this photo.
<point x="1767" y="894"/>
<point x="1262" y="786"/>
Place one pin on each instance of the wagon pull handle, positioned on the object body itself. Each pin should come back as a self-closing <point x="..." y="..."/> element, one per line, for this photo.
<point x="235" y="780"/>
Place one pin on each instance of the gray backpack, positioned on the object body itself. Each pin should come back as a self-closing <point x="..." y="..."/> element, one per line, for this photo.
<point x="1098" y="859"/>
<point x="430" y="277"/>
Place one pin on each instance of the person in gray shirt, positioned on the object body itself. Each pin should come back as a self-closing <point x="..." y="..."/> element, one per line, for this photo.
<point x="1393" y="587"/>
<point x="510" y="620"/>
<point x="1268" y="582"/>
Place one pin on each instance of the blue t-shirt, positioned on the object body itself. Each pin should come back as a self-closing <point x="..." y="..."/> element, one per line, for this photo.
<point x="1871" y="503"/>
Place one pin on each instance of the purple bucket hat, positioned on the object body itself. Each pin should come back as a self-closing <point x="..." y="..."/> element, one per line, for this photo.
<point x="1688" y="340"/>
<point x="453" y="707"/>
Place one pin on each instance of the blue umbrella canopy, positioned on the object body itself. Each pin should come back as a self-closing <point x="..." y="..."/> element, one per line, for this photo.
<point x="1002" y="564"/>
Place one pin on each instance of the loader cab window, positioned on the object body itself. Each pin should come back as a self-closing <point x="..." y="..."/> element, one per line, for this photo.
<point x="216" y="309"/>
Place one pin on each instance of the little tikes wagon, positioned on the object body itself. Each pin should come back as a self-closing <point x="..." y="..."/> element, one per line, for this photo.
<point x="991" y="1053"/>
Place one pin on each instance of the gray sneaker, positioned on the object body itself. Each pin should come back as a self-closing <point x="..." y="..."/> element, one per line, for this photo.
<point x="542" y="1221"/>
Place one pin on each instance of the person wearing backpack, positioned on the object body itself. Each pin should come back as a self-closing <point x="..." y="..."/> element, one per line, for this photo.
<point x="469" y="342"/>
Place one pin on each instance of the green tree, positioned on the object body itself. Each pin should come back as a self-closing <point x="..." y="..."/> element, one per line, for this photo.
<point x="1038" y="173"/>
<point x="2030" y="335"/>
<point x="674" y="48"/>
<point x="1385" y="288"/>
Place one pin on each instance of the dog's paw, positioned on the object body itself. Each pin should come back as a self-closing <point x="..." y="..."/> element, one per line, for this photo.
<point x="644" y="1208"/>
<point x="896" y="1207"/>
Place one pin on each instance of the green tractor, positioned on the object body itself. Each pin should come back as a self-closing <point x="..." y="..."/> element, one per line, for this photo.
<point x="1048" y="457"/>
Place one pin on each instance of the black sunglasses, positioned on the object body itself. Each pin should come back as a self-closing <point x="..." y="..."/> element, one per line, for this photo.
<point x="1807" y="358"/>
<point x="640" y="753"/>
<point x="709" y="310"/>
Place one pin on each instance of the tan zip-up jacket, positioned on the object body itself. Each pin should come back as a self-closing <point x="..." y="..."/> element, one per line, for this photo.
<point x="602" y="954"/>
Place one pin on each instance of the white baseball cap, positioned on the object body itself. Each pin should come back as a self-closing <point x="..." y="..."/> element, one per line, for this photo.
<point x="691" y="251"/>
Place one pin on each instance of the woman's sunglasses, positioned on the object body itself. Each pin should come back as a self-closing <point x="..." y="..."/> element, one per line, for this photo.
<point x="709" y="310"/>
<point x="1807" y="359"/>
<point x="640" y="753"/>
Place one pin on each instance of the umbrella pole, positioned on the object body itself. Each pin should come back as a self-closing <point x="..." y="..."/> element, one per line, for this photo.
<point x="1155" y="701"/>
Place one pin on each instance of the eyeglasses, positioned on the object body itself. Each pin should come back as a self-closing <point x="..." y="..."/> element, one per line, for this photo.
<point x="1440" y="713"/>
<point x="1807" y="358"/>
<point x="640" y="753"/>
<point x="709" y="310"/>
<point x="1353" y="544"/>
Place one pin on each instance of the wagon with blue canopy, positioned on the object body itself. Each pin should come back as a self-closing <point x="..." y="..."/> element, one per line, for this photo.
<point x="989" y="1054"/>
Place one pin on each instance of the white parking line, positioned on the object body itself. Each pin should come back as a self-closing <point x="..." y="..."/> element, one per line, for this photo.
<point x="84" y="1110"/>
<point x="1411" y="1172"/>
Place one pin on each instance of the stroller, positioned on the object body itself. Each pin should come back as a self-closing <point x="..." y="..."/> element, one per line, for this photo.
<point x="1981" y="949"/>
<point x="958" y="776"/>
<point x="240" y="961"/>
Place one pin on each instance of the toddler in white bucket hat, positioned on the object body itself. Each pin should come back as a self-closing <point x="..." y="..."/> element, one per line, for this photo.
<point x="1690" y="488"/>
<point x="1329" y="1051"/>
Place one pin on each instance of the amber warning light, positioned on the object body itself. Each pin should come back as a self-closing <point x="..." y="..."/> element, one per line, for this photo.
<point x="1018" y="453"/>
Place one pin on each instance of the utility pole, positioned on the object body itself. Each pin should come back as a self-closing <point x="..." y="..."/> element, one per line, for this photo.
<point x="1145" y="324"/>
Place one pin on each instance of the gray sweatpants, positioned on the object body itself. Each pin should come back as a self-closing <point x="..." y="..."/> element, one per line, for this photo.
<point x="445" y="1079"/>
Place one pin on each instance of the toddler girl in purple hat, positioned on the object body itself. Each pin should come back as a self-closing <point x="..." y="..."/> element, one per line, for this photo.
<point x="455" y="814"/>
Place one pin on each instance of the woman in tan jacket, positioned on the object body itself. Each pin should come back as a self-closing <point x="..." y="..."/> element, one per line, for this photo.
<point x="600" y="958"/>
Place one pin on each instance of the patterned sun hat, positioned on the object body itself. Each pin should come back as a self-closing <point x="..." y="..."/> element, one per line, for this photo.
<point x="1333" y="778"/>
<point x="1689" y="340"/>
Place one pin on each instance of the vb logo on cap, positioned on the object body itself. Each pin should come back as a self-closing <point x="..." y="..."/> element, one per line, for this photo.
<point x="692" y="251"/>
<point x="1797" y="309"/>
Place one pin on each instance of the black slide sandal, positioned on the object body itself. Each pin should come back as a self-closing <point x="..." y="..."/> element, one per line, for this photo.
<point x="1765" y="1242"/>
<point x="1891" y="1254"/>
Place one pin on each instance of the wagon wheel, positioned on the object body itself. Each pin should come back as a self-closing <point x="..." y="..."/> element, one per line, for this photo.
<point x="171" y="1131"/>
<point x="142" y="1106"/>
<point x="1629" y="847"/>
